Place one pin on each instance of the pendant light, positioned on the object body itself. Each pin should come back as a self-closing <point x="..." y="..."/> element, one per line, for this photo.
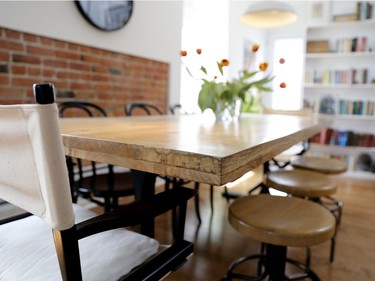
<point x="269" y="14"/>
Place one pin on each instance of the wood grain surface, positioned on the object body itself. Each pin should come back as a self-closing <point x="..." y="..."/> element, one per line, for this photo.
<point x="191" y="147"/>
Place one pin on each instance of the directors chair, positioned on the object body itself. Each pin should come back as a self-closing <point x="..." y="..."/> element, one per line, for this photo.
<point x="61" y="240"/>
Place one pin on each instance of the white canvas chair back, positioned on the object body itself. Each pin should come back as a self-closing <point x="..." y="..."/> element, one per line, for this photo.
<point x="33" y="173"/>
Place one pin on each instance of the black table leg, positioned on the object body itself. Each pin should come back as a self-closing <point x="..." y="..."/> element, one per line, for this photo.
<point x="144" y="184"/>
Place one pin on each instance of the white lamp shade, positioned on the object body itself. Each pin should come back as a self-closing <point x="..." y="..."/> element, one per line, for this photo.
<point x="269" y="14"/>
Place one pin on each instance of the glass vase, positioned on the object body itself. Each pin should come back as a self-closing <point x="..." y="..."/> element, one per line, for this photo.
<point x="228" y="111"/>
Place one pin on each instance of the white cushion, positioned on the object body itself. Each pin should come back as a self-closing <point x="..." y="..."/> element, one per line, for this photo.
<point x="27" y="251"/>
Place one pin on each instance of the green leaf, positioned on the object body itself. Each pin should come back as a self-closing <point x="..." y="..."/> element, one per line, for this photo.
<point x="206" y="95"/>
<point x="220" y="68"/>
<point x="248" y="75"/>
<point x="204" y="70"/>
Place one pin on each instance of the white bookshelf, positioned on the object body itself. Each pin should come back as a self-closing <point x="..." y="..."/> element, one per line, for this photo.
<point x="333" y="63"/>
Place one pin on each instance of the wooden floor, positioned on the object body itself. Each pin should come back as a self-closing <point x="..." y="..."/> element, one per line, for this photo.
<point x="217" y="244"/>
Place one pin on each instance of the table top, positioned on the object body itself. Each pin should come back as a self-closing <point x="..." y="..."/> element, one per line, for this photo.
<point x="192" y="147"/>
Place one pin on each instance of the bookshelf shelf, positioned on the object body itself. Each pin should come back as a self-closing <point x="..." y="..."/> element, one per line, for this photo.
<point x="348" y="117"/>
<point x="341" y="55"/>
<point x="347" y="24"/>
<point x="340" y="86"/>
<point x="341" y="150"/>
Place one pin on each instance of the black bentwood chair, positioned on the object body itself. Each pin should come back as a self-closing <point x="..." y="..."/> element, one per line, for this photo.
<point x="96" y="180"/>
<point x="34" y="177"/>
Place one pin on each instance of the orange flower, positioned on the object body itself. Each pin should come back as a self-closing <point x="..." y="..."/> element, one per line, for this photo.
<point x="224" y="62"/>
<point x="263" y="66"/>
<point x="282" y="85"/>
<point x="199" y="51"/>
<point x="255" y="47"/>
<point x="183" y="53"/>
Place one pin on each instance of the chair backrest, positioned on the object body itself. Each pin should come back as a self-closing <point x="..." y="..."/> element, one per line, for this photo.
<point x="141" y="108"/>
<point x="80" y="108"/>
<point x="33" y="168"/>
<point x="83" y="109"/>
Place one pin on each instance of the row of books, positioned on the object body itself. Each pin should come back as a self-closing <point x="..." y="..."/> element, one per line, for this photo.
<point x="359" y="107"/>
<point x="326" y="77"/>
<point x="349" y="45"/>
<point x="331" y="136"/>
<point x="364" y="10"/>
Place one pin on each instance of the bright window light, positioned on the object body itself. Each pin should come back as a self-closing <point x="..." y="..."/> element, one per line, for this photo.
<point x="290" y="72"/>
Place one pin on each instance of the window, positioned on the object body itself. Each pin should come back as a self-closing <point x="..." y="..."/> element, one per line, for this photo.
<point x="206" y="29"/>
<point x="291" y="72"/>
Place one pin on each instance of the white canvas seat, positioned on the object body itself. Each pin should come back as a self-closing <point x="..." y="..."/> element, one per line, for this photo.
<point x="62" y="242"/>
<point x="22" y="260"/>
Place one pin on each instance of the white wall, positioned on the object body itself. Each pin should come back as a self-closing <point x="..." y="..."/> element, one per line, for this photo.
<point x="154" y="30"/>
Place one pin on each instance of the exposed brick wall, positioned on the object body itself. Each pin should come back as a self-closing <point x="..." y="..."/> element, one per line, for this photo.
<point x="78" y="72"/>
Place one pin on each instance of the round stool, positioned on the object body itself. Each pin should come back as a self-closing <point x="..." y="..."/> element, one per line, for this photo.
<point x="327" y="166"/>
<point x="301" y="183"/>
<point x="279" y="222"/>
<point x="305" y="184"/>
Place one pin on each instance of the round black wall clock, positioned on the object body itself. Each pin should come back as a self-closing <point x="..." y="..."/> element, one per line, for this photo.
<point x="106" y="15"/>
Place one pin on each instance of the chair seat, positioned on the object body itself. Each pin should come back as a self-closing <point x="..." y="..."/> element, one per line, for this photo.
<point x="302" y="183"/>
<point x="22" y="260"/>
<point x="282" y="220"/>
<point x="319" y="164"/>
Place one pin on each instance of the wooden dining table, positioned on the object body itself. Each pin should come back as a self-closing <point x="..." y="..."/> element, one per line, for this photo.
<point x="190" y="147"/>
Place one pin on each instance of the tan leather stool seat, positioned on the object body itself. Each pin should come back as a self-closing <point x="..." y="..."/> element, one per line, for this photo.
<point x="278" y="222"/>
<point x="284" y="221"/>
<point x="302" y="183"/>
<point x="319" y="164"/>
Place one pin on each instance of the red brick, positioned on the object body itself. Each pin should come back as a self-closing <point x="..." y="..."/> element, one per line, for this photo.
<point x="78" y="85"/>
<point x="26" y="59"/>
<point x="46" y="41"/>
<point x="33" y="71"/>
<point x="67" y="55"/>
<point x="30" y="37"/>
<point x="59" y="84"/>
<point x="79" y="66"/>
<point x="88" y="58"/>
<point x="23" y="81"/>
<point x="12" y="34"/>
<point x="104" y="96"/>
<point x="55" y="63"/>
<point x="18" y="69"/>
<point x="4" y="56"/>
<point x="72" y="46"/>
<point x="60" y="44"/>
<point x="10" y="91"/>
<point x="4" y="80"/>
<point x="48" y="73"/>
<point x="102" y="69"/>
<point x="62" y="75"/>
<point x="40" y="51"/>
<point x="11" y="46"/>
